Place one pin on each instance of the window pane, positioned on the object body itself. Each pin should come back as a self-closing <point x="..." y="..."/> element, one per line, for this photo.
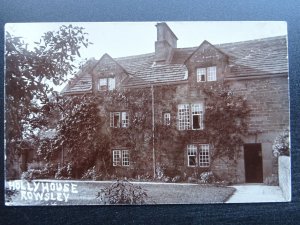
<point x="211" y="73"/>
<point x="111" y="84"/>
<point x="102" y="84"/>
<point x="167" y="118"/>
<point x="116" y="119"/>
<point x="201" y="74"/>
<point x="192" y="152"/>
<point x="204" y="155"/>
<point x="125" y="158"/>
<point x="125" y="119"/>
<point x="111" y="119"/>
<point x="197" y="114"/>
<point x="183" y="117"/>
<point x="196" y="122"/>
<point x="116" y="157"/>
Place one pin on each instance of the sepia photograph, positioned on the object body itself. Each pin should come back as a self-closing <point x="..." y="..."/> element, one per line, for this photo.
<point x="134" y="113"/>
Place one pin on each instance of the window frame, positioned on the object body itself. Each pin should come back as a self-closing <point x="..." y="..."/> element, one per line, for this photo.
<point x="167" y="118"/>
<point x="186" y="113"/>
<point x="183" y="113"/>
<point x="109" y="85"/>
<point x="209" y="73"/>
<point x="123" y="121"/>
<point x="201" y="153"/>
<point x="197" y="113"/>
<point x="121" y="157"/>
<point x="191" y="148"/>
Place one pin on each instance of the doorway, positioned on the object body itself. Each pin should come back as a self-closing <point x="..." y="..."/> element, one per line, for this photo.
<point x="253" y="163"/>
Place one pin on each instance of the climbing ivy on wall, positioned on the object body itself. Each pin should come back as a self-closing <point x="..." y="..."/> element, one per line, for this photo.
<point x="226" y="119"/>
<point x="84" y="132"/>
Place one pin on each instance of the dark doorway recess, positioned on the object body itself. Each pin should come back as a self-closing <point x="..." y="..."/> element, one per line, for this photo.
<point x="253" y="163"/>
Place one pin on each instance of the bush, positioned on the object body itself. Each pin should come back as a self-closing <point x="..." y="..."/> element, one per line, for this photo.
<point x="207" y="177"/>
<point x="176" y="179"/>
<point x="91" y="174"/>
<point x="9" y="194"/>
<point x="64" y="172"/>
<point x="47" y="172"/>
<point x="281" y="145"/>
<point x="123" y="192"/>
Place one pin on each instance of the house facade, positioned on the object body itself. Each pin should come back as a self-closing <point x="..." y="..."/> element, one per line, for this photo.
<point x="168" y="88"/>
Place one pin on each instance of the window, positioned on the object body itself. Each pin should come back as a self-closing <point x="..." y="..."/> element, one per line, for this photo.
<point x="203" y="155"/>
<point x="207" y="74"/>
<point x="120" y="158"/>
<point x="119" y="119"/>
<point x="190" y="116"/>
<point x="192" y="155"/>
<point x="107" y="84"/>
<point x="125" y="158"/>
<point x="211" y="73"/>
<point x="197" y="115"/>
<point x="198" y="155"/>
<point x="167" y="119"/>
<point x="184" y="117"/>
<point x="201" y="74"/>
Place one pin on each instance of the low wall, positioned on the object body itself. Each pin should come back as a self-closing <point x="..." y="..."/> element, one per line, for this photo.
<point x="284" y="173"/>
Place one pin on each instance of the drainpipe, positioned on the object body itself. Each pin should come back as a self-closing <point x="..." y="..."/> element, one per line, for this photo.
<point x="153" y="125"/>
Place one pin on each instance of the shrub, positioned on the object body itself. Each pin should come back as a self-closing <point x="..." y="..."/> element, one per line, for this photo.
<point x="91" y="174"/>
<point x="160" y="172"/>
<point x="64" y="172"/>
<point x="48" y="171"/>
<point x="207" y="177"/>
<point x="281" y="145"/>
<point x="9" y="194"/>
<point x="176" y="179"/>
<point x="123" y="192"/>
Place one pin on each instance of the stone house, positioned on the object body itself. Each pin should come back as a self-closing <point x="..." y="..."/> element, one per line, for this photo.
<point x="255" y="69"/>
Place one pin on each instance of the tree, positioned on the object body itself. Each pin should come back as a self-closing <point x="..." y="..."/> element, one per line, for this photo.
<point x="29" y="75"/>
<point x="79" y="134"/>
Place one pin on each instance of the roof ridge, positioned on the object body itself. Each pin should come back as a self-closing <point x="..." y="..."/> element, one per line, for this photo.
<point x="133" y="56"/>
<point x="252" y="40"/>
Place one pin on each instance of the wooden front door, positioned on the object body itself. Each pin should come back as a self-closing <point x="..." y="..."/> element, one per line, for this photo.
<point x="253" y="163"/>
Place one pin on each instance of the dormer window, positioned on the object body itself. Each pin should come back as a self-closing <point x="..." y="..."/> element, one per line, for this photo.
<point x="207" y="74"/>
<point x="107" y="84"/>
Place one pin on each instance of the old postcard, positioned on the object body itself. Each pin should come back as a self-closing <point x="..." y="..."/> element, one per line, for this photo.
<point x="146" y="113"/>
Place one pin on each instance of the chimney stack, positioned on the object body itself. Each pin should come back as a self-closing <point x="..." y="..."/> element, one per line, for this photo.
<point x="166" y="42"/>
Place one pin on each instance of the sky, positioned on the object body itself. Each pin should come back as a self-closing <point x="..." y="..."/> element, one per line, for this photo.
<point x="132" y="38"/>
<point x="120" y="39"/>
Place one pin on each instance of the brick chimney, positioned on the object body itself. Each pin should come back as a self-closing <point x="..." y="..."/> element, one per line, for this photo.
<point x="166" y="42"/>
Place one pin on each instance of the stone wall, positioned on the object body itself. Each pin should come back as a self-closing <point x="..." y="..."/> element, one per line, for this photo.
<point x="268" y="101"/>
<point x="284" y="171"/>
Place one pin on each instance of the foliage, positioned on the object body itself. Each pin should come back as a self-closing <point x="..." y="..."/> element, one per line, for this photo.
<point x="90" y="174"/>
<point x="207" y="177"/>
<point x="79" y="133"/>
<point x="123" y="192"/>
<point x="226" y="120"/>
<point x="64" y="172"/>
<point x="225" y="123"/>
<point x="30" y="73"/>
<point x="9" y="194"/>
<point x="281" y="145"/>
<point x="48" y="171"/>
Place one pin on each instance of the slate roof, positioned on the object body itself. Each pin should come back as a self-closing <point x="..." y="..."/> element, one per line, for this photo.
<point x="257" y="57"/>
<point x="247" y="58"/>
